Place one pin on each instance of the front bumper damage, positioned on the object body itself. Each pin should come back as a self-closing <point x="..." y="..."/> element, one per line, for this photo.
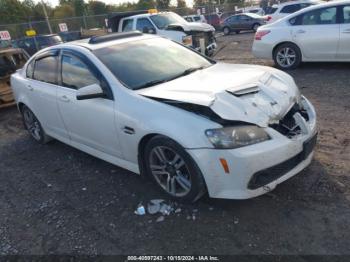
<point x="258" y="169"/>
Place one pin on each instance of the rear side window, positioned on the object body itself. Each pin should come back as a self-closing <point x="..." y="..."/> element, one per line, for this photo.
<point x="76" y="74"/>
<point x="346" y="12"/>
<point x="289" y="9"/>
<point x="45" y="69"/>
<point x="326" y="16"/>
<point x="30" y="69"/>
<point x="127" y="25"/>
<point x="196" y="18"/>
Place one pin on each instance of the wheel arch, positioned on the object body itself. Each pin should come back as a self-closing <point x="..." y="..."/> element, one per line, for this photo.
<point x="286" y="42"/>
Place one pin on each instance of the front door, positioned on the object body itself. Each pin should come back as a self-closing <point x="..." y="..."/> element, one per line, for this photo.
<point x="89" y="122"/>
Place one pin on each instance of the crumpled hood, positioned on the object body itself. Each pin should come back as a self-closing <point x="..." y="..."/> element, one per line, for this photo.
<point x="254" y="94"/>
<point x="195" y="27"/>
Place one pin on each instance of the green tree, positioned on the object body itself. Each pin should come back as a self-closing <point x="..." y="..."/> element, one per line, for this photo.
<point x="97" y="7"/>
<point x="163" y="4"/>
<point x="181" y="4"/>
<point x="63" y="10"/>
<point x="145" y="4"/>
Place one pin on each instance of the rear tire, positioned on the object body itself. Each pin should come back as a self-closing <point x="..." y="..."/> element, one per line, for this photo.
<point x="173" y="170"/>
<point x="287" y="56"/>
<point x="238" y="31"/>
<point x="32" y="124"/>
<point x="255" y="27"/>
<point x="226" y="30"/>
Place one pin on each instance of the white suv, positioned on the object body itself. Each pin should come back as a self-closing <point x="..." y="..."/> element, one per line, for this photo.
<point x="155" y="107"/>
<point x="279" y="11"/>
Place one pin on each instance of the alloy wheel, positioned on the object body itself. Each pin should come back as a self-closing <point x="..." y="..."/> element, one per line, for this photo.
<point x="286" y="57"/>
<point x="32" y="124"/>
<point x="170" y="171"/>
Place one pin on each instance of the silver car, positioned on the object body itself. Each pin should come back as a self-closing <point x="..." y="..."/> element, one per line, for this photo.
<point x="240" y="22"/>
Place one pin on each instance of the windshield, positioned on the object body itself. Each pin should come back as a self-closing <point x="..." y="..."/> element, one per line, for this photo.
<point x="148" y="62"/>
<point x="163" y="20"/>
<point x="270" y="10"/>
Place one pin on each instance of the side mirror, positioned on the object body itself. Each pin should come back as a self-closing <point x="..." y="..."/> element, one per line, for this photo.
<point x="147" y="30"/>
<point x="90" y="92"/>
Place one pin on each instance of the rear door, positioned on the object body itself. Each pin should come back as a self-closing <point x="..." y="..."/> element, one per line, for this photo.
<point x="41" y="86"/>
<point x="344" y="41"/>
<point x="91" y="122"/>
<point x="317" y="33"/>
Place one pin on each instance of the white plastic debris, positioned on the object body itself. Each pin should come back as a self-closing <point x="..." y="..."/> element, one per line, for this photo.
<point x="160" y="219"/>
<point x="140" y="211"/>
<point x="84" y="189"/>
<point x="178" y="210"/>
<point x="235" y="220"/>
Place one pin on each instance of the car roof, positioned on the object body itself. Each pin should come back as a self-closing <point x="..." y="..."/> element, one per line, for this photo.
<point x="313" y="7"/>
<point x="297" y="2"/>
<point x="94" y="46"/>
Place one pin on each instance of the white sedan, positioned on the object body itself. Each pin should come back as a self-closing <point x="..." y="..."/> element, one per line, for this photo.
<point x="155" y="107"/>
<point x="320" y="33"/>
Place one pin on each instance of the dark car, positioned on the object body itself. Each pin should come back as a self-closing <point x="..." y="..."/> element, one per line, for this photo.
<point x="34" y="43"/>
<point x="240" y="22"/>
<point x="70" y="36"/>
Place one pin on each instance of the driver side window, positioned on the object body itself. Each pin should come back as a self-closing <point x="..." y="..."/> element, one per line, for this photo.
<point x="144" y="25"/>
<point x="76" y="74"/>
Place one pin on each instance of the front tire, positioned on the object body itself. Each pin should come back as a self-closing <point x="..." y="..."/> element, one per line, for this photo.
<point x="33" y="126"/>
<point x="287" y="56"/>
<point x="173" y="169"/>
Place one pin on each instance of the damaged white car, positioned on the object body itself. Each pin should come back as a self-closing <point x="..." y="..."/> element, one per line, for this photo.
<point x="155" y="107"/>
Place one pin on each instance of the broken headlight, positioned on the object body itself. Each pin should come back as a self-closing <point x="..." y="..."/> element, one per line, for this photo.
<point x="237" y="136"/>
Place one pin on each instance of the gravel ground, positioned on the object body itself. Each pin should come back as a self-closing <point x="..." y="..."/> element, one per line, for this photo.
<point x="57" y="200"/>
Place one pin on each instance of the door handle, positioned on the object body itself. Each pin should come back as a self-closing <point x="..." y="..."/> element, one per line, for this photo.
<point x="30" y="88"/>
<point x="64" y="98"/>
<point x="301" y="31"/>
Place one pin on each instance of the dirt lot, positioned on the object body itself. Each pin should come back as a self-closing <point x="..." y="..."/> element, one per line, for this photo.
<point x="57" y="200"/>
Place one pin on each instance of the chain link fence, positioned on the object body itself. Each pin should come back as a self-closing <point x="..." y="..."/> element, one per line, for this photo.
<point x="99" y="21"/>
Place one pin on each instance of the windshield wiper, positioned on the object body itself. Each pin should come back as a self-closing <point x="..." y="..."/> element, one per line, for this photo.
<point x="156" y="82"/>
<point x="150" y="83"/>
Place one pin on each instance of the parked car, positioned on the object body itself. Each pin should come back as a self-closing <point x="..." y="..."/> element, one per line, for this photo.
<point x="11" y="59"/>
<point x="253" y="10"/>
<point x="225" y="15"/>
<point x="35" y="43"/>
<point x="317" y="33"/>
<point x="238" y="23"/>
<point x="282" y="10"/>
<point x="155" y="107"/>
<point x="70" y="36"/>
<point x="213" y="19"/>
<point x="195" y="18"/>
<point x="167" y="24"/>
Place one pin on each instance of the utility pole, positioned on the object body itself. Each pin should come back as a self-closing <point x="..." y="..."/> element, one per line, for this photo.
<point x="46" y="17"/>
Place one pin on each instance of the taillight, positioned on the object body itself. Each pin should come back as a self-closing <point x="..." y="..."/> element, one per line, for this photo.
<point x="260" y="34"/>
<point x="268" y="18"/>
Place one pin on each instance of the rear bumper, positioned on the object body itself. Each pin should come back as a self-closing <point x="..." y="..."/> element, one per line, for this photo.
<point x="262" y="49"/>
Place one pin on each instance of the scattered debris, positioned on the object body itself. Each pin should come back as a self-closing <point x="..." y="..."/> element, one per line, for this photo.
<point x="49" y="185"/>
<point x="188" y="217"/>
<point x="235" y="220"/>
<point x="160" y="219"/>
<point x="178" y="210"/>
<point x="84" y="189"/>
<point x="211" y="208"/>
<point x="193" y="217"/>
<point x="140" y="211"/>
